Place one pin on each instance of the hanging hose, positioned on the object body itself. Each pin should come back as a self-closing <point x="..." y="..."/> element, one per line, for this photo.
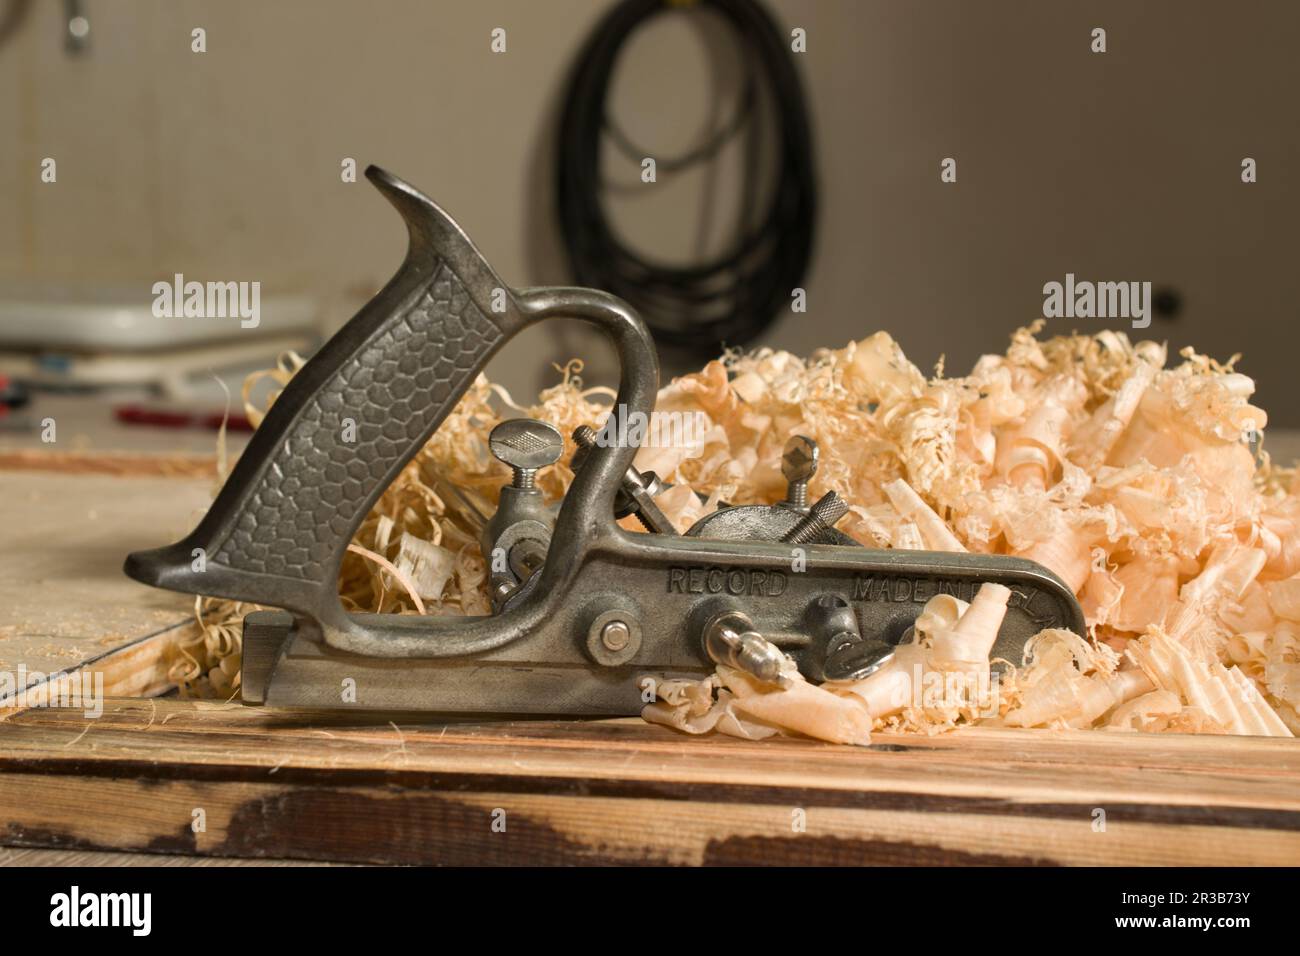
<point x="730" y="299"/>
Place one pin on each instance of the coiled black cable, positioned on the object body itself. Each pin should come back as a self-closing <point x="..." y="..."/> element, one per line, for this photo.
<point x="732" y="298"/>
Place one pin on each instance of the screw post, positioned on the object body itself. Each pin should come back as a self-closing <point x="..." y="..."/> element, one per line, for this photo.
<point x="798" y="465"/>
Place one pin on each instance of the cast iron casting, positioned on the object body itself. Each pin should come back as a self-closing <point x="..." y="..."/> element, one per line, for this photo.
<point x="586" y="614"/>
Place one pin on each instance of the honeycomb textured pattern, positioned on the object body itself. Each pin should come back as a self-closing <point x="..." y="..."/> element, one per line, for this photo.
<point x="394" y="388"/>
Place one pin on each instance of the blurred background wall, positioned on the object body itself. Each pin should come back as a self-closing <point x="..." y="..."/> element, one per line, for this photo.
<point x="1119" y="166"/>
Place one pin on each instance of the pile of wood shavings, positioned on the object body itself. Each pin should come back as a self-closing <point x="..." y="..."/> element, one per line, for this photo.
<point x="1133" y="482"/>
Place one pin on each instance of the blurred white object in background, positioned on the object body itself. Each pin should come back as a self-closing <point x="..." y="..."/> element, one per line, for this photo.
<point x="83" y="335"/>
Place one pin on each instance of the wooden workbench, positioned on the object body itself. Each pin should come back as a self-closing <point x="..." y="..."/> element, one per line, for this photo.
<point x="283" y="785"/>
<point x="354" y="788"/>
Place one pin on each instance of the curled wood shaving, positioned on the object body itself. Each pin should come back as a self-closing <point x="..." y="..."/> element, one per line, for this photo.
<point x="206" y="659"/>
<point x="1133" y="481"/>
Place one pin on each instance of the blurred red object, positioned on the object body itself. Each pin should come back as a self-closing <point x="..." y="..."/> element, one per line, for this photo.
<point x="163" y="418"/>
<point x="12" y="395"/>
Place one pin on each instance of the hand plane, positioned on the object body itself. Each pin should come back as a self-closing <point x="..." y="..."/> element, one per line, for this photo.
<point x="586" y="616"/>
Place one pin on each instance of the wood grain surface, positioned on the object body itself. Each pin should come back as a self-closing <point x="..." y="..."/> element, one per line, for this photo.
<point x="355" y="788"/>
<point x="64" y="601"/>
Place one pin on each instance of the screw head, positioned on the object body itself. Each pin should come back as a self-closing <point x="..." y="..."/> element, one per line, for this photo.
<point x="615" y="635"/>
<point x="526" y="443"/>
<point x="799" y="460"/>
<point x="501" y="590"/>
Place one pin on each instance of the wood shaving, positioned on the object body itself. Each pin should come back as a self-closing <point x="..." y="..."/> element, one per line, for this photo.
<point x="1133" y="481"/>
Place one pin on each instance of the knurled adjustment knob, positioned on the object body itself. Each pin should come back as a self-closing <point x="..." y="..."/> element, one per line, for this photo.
<point x="526" y="445"/>
<point x="821" y="517"/>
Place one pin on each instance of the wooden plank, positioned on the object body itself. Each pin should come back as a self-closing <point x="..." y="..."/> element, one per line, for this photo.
<point x="71" y="511"/>
<point x="64" y="601"/>
<point x="349" y="787"/>
<point x="81" y="859"/>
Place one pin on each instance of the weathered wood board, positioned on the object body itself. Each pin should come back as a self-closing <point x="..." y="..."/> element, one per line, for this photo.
<point x="64" y="601"/>
<point x="70" y="510"/>
<point x="285" y="785"/>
